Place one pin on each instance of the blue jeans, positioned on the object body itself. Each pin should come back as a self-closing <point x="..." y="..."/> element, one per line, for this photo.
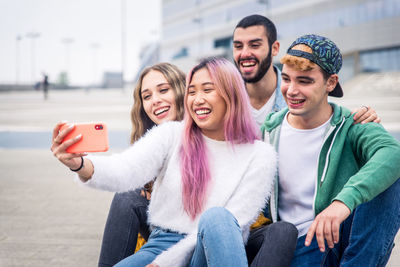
<point x="127" y="217"/>
<point x="159" y="241"/>
<point x="366" y="236"/>
<point x="219" y="243"/>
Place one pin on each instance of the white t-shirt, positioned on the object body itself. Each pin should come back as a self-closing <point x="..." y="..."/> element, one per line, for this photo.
<point x="260" y="114"/>
<point x="298" y="165"/>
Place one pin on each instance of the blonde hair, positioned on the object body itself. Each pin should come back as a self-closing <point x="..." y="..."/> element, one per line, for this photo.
<point x="140" y="121"/>
<point x="299" y="63"/>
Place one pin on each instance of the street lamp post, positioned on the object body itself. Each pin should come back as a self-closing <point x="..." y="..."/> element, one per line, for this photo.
<point x="17" y="58"/>
<point x="266" y="3"/>
<point x="123" y="42"/>
<point x="33" y="35"/>
<point x="67" y="42"/>
<point x="95" y="47"/>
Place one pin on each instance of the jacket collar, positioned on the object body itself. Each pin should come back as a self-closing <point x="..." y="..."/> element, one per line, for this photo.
<point x="275" y="119"/>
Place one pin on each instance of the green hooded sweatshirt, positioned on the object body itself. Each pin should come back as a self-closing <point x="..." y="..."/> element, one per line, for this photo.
<point x="356" y="162"/>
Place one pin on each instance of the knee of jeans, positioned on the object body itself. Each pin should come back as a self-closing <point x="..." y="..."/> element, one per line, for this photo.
<point x="284" y="229"/>
<point x="215" y="217"/>
<point x="129" y="200"/>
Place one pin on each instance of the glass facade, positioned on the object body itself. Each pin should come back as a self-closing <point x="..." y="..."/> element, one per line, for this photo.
<point x="381" y="60"/>
<point x="223" y="42"/>
<point x="196" y="23"/>
<point x="208" y="19"/>
<point x="350" y="15"/>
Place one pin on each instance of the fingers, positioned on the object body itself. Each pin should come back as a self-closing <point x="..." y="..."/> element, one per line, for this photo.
<point x="360" y="114"/>
<point x="57" y="128"/>
<point x="319" y="233"/>
<point x="328" y="234"/>
<point x="310" y="233"/>
<point x="365" y="114"/>
<point x="335" y="232"/>
<point x="59" y="136"/>
<point x="371" y="117"/>
<point x="59" y="151"/>
<point x="59" y="146"/>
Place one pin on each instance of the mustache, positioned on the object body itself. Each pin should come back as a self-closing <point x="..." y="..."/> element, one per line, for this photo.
<point x="248" y="58"/>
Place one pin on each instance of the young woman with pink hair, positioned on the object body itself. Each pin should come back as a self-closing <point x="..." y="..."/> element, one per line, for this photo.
<point x="213" y="174"/>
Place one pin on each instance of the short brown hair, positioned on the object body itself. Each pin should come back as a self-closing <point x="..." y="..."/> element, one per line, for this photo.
<point x="301" y="63"/>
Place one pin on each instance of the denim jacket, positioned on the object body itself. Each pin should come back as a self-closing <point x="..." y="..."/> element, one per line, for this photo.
<point x="279" y="102"/>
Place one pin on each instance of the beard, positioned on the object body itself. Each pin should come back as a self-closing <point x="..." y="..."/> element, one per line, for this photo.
<point x="264" y="66"/>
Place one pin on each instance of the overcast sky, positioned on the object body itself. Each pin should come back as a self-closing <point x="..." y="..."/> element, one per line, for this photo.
<point x="69" y="32"/>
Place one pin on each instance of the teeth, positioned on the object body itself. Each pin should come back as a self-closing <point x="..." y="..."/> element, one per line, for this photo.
<point x="296" y="101"/>
<point x="159" y="111"/>
<point x="248" y="64"/>
<point x="202" y="111"/>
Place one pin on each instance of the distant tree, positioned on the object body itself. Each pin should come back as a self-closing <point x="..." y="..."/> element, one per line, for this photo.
<point x="63" y="79"/>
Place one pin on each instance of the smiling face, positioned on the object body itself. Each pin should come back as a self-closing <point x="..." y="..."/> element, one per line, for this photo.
<point x="306" y="94"/>
<point x="206" y="106"/>
<point x="158" y="98"/>
<point x="252" y="53"/>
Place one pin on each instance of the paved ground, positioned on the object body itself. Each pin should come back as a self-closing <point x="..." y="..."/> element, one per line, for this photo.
<point x="45" y="218"/>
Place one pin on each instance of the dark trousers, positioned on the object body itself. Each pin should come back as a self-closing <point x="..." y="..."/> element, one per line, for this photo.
<point x="272" y="245"/>
<point x="127" y="217"/>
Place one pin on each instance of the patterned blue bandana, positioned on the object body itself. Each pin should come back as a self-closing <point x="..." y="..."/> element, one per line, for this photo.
<point x="325" y="54"/>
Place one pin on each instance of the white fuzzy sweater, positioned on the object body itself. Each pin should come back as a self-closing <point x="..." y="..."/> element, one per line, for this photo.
<point x="241" y="181"/>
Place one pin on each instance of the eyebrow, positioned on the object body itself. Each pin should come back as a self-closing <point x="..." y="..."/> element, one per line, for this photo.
<point x="250" y="41"/>
<point x="305" y="78"/>
<point x="158" y="85"/>
<point x="299" y="77"/>
<point x="205" y="83"/>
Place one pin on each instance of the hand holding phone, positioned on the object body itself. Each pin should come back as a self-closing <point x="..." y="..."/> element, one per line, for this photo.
<point x="94" y="137"/>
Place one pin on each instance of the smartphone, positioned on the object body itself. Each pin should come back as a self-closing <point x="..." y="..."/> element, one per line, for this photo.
<point x="94" y="137"/>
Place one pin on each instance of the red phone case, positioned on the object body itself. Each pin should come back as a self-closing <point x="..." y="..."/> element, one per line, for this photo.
<point x="94" y="137"/>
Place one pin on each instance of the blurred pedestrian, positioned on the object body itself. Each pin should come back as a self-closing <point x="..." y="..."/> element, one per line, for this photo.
<point x="45" y="85"/>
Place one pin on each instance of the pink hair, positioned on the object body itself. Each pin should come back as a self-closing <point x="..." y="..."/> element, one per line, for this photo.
<point x="239" y="128"/>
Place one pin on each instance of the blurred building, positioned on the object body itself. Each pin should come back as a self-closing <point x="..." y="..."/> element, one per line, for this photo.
<point x="367" y="31"/>
<point x="149" y="55"/>
<point x="193" y="29"/>
<point x="112" y="80"/>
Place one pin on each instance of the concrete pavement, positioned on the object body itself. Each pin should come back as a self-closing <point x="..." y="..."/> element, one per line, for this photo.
<point x="45" y="218"/>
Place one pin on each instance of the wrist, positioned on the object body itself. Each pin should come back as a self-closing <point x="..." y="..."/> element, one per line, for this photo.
<point x="80" y="167"/>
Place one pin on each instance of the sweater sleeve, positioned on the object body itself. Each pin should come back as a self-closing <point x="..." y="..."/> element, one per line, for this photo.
<point x="255" y="189"/>
<point x="137" y="165"/>
<point x="379" y="154"/>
